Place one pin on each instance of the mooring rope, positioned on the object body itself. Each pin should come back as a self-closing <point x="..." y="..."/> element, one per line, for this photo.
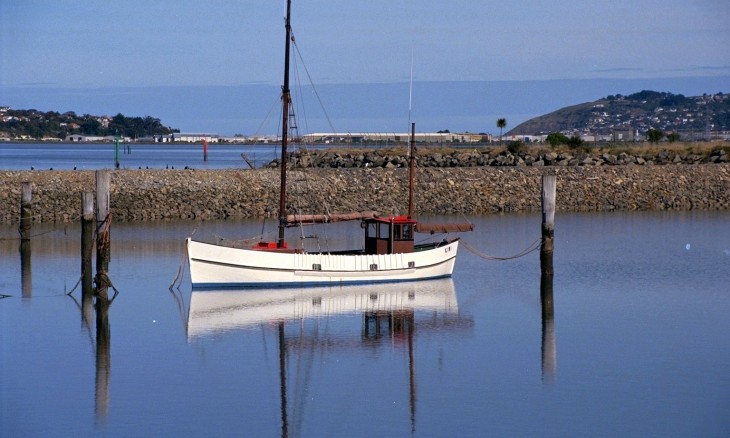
<point x="180" y="271"/>
<point x="74" y="288"/>
<point x="534" y="246"/>
<point x="65" y="231"/>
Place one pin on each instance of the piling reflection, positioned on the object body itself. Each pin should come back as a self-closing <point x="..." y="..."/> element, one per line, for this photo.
<point x="87" y="247"/>
<point x="26" y="272"/>
<point x="87" y="310"/>
<point x="393" y="312"/>
<point x="549" y="355"/>
<point x="95" y="315"/>
<point x="103" y="360"/>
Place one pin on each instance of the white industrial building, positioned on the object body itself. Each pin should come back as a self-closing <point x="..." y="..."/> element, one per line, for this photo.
<point x="420" y="137"/>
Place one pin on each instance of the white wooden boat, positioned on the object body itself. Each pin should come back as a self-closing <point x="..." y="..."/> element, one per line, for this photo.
<point x="389" y="253"/>
<point x="213" y="266"/>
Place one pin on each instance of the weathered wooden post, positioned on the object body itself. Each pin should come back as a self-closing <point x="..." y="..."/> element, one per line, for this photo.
<point x="26" y="219"/>
<point x="549" y="357"/>
<point x="549" y="183"/>
<point x="103" y="240"/>
<point x="87" y="245"/>
<point x="26" y="210"/>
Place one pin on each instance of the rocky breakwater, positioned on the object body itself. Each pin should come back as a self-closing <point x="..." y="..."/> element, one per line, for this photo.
<point x="501" y="158"/>
<point x="138" y="195"/>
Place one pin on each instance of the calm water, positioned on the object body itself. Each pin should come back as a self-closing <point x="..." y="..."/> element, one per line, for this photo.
<point x="639" y="344"/>
<point x="23" y="156"/>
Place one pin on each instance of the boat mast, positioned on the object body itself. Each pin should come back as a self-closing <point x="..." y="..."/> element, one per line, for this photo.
<point x="285" y="99"/>
<point x="411" y="170"/>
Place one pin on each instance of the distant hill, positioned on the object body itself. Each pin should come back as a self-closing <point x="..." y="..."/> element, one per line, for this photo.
<point x="34" y="124"/>
<point x="641" y="111"/>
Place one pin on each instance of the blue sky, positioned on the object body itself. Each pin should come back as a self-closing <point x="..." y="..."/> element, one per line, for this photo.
<point x="94" y="47"/>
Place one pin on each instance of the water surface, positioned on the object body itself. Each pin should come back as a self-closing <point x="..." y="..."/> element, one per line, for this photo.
<point x="636" y="344"/>
<point x="67" y="156"/>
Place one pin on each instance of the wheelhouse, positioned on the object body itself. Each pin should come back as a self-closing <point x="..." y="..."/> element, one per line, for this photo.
<point x="389" y="235"/>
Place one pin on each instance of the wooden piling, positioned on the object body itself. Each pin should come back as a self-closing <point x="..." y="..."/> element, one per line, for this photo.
<point x="549" y="357"/>
<point x="103" y="240"/>
<point x="549" y="183"/>
<point x="26" y="210"/>
<point x="87" y="244"/>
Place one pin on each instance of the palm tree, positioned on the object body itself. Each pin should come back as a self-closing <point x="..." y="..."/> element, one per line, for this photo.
<point x="501" y="123"/>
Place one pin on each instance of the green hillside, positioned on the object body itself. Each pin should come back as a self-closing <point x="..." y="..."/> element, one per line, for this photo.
<point x="640" y="112"/>
<point x="34" y="124"/>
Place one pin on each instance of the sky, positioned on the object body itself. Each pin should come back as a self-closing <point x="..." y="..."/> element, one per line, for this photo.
<point x="197" y="55"/>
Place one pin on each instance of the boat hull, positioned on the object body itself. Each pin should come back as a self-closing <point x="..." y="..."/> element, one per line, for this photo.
<point x="215" y="266"/>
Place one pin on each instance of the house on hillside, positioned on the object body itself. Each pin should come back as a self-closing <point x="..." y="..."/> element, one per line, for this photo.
<point x="625" y="135"/>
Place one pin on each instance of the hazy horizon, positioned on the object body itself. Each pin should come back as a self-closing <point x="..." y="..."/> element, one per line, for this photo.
<point x="459" y="106"/>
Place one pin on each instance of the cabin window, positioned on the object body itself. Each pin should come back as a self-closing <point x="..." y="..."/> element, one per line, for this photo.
<point x="411" y="264"/>
<point x="316" y="267"/>
<point x="403" y="232"/>
<point x="372" y="230"/>
<point x="374" y="267"/>
<point x="383" y="230"/>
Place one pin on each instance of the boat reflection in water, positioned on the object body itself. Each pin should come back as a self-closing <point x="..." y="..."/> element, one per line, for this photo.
<point x="213" y="311"/>
<point x="389" y="311"/>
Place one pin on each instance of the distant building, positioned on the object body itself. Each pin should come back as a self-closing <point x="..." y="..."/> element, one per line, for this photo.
<point x="525" y="138"/>
<point x="624" y="135"/>
<point x="94" y="138"/>
<point x="420" y="137"/>
<point x="161" y="138"/>
<point x="185" y="137"/>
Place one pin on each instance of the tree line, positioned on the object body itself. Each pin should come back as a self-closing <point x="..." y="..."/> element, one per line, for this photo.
<point x="37" y="124"/>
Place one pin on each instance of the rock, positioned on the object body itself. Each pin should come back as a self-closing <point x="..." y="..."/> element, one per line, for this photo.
<point x="211" y="194"/>
<point x="610" y="158"/>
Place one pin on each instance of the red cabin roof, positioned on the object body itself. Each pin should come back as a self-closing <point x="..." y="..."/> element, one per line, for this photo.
<point x="393" y="220"/>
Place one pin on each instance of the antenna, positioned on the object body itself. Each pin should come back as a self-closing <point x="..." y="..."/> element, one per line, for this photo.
<point x="410" y="91"/>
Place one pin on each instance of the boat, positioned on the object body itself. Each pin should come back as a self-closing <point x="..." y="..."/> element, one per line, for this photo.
<point x="388" y="254"/>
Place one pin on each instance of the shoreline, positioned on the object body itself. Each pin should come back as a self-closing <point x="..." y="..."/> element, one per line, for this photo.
<point x="142" y="195"/>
